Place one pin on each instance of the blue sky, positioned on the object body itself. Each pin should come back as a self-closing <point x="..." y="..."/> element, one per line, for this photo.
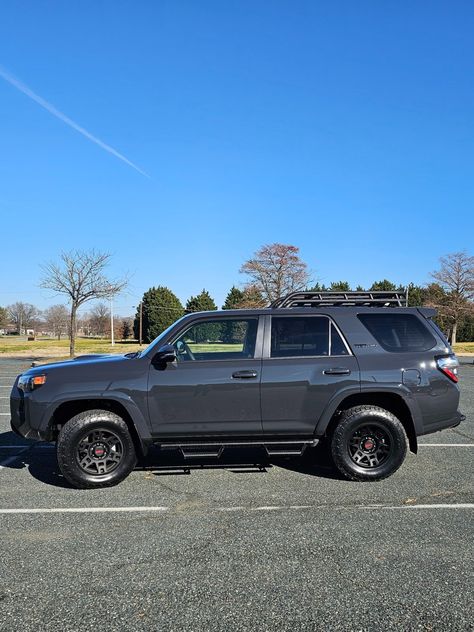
<point x="345" y="128"/>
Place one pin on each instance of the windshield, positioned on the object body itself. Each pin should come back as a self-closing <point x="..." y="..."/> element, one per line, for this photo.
<point x="156" y="343"/>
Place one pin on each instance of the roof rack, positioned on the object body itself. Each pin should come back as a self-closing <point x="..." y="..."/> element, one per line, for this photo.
<point x="363" y="299"/>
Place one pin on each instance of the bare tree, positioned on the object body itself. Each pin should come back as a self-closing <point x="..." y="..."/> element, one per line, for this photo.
<point x="23" y="315"/>
<point x="99" y="317"/>
<point x="252" y="298"/>
<point x="57" y="318"/>
<point x="80" y="275"/>
<point x="276" y="270"/>
<point x="4" y="318"/>
<point x="456" y="277"/>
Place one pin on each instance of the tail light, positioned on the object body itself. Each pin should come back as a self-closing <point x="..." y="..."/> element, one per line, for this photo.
<point x="449" y="366"/>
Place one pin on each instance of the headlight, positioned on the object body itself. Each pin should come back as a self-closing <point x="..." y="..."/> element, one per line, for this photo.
<point x="28" y="383"/>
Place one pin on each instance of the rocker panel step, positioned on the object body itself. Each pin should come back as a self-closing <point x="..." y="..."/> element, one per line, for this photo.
<point x="213" y="449"/>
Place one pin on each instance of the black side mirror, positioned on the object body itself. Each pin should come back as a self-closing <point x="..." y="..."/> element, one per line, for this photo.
<point x="165" y="354"/>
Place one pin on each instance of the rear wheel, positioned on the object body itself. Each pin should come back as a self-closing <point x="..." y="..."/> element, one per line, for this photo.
<point x="368" y="444"/>
<point x="95" y="449"/>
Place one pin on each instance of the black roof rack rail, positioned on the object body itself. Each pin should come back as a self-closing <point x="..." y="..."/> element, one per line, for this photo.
<point x="332" y="299"/>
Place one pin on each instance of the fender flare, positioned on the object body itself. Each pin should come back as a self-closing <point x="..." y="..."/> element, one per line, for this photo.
<point x="140" y="423"/>
<point x="392" y="389"/>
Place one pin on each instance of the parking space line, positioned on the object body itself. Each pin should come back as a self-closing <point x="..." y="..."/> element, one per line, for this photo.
<point x="439" y="506"/>
<point x="446" y="445"/>
<point x="145" y="508"/>
<point x="83" y="510"/>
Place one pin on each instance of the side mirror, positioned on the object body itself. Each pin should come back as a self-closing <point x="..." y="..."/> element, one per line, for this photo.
<point x="165" y="354"/>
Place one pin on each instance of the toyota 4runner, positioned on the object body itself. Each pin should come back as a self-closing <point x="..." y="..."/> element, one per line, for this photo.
<point x="359" y="370"/>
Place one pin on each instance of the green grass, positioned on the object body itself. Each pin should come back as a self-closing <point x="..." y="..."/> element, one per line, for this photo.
<point x="10" y="345"/>
<point x="211" y="347"/>
<point x="463" y="347"/>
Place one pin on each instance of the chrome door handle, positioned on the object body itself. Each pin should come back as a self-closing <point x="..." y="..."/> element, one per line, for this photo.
<point x="244" y="375"/>
<point x="337" y="370"/>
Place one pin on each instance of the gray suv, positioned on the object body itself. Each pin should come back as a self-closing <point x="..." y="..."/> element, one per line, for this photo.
<point x="359" y="371"/>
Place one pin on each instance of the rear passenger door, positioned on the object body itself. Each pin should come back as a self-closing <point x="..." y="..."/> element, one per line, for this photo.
<point x="306" y="362"/>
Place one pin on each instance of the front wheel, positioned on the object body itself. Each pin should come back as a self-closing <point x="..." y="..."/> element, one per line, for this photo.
<point x="95" y="449"/>
<point x="368" y="444"/>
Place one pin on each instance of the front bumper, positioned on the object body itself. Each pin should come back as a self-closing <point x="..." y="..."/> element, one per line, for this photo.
<point x="20" y="419"/>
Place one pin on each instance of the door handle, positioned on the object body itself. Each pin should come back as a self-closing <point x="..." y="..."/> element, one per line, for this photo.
<point x="337" y="370"/>
<point x="244" y="375"/>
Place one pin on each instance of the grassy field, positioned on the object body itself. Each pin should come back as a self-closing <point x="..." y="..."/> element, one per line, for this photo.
<point x="14" y="346"/>
<point x="464" y="347"/>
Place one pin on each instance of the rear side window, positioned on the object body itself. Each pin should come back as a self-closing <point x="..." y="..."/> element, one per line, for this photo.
<point x="398" y="332"/>
<point x="305" y="336"/>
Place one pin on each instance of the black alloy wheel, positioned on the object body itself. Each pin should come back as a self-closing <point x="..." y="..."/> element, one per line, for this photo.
<point x="95" y="449"/>
<point x="368" y="443"/>
<point x="99" y="452"/>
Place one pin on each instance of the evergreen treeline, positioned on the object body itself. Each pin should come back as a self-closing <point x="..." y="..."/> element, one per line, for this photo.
<point x="161" y="307"/>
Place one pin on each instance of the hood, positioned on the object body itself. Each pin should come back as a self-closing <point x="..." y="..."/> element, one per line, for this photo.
<point x="65" y="365"/>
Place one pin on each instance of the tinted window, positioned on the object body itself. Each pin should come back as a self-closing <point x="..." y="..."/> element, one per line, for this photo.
<point x="337" y="345"/>
<point x="398" y="332"/>
<point x="299" y="336"/>
<point x="225" y="339"/>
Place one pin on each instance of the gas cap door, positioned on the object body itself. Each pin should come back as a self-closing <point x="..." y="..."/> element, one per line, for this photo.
<point x="411" y="377"/>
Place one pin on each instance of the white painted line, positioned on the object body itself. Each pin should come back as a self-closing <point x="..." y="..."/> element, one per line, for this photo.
<point x="11" y="459"/>
<point x="231" y="508"/>
<point x="440" y="506"/>
<point x="446" y="445"/>
<point x="266" y="508"/>
<point x="82" y="510"/>
<point x="5" y="415"/>
<point x="138" y="509"/>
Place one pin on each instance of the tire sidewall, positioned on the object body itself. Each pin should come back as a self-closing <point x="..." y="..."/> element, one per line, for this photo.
<point x="345" y="430"/>
<point x="80" y="426"/>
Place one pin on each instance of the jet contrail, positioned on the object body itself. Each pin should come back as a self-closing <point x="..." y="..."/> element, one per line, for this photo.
<point x="62" y="117"/>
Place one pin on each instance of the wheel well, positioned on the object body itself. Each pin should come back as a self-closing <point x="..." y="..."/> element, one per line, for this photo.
<point x="389" y="401"/>
<point x="65" y="411"/>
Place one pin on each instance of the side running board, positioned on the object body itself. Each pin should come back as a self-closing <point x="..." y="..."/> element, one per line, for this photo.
<point x="204" y="450"/>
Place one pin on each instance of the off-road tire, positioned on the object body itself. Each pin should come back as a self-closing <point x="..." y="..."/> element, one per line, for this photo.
<point x="72" y="436"/>
<point x="383" y="430"/>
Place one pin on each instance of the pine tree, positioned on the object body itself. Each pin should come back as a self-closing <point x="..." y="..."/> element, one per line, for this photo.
<point x="340" y="286"/>
<point x="234" y="298"/>
<point x="385" y="286"/>
<point x="160" y="309"/>
<point x="204" y="302"/>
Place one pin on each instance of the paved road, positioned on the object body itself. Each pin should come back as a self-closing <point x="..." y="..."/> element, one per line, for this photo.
<point x="231" y="548"/>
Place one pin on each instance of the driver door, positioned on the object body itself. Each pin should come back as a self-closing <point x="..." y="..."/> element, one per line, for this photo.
<point x="213" y="387"/>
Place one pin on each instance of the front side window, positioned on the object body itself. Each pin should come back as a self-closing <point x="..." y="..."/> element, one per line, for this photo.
<point x="398" y="332"/>
<point x="226" y="339"/>
<point x="296" y="336"/>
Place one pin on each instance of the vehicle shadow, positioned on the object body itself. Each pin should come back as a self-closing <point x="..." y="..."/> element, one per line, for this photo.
<point x="40" y="461"/>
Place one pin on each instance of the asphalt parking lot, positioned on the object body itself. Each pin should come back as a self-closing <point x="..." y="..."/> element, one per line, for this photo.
<point x="287" y="547"/>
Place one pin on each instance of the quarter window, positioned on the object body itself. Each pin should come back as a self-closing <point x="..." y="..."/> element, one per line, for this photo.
<point x="398" y="332"/>
<point x="226" y="339"/>
<point x="296" y="336"/>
